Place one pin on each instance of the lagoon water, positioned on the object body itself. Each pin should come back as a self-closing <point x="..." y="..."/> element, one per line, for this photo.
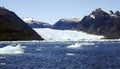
<point x="104" y="54"/>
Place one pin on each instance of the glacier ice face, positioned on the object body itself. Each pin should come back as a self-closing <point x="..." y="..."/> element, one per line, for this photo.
<point x="65" y="35"/>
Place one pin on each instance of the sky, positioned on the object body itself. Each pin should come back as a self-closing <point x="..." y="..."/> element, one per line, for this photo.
<point x="52" y="10"/>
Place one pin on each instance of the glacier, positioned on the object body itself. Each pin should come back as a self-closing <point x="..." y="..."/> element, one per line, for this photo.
<point x="65" y="35"/>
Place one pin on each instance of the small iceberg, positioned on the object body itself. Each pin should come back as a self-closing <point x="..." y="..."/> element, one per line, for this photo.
<point x="12" y="49"/>
<point x="79" y="45"/>
<point x="76" y="45"/>
<point x="70" y="54"/>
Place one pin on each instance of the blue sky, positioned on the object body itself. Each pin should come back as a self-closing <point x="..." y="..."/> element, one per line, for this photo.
<point x="52" y="10"/>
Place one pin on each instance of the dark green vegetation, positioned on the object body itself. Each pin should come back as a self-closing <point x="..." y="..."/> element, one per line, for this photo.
<point x="12" y="28"/>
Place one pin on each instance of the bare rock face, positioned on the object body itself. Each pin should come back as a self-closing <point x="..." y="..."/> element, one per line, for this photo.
<point x="12" y="28"/>
<point x="98" y="22"/>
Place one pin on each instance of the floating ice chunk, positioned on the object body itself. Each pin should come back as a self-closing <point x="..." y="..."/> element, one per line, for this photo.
<point x="2" y="63"/>
<point x="70" y="54"/>
<point x="79" y="45"/>
<point x="76" y="45"/>
<point x="96" y="46"/>
<point x="38" y="49"/>
<point x="10" y="49"/>
<point x="2" y="57"/>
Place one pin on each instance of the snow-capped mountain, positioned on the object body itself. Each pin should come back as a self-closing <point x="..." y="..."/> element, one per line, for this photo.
<point x="70" y="20"/>
<point x="34" y="23"/>
<point x="66" y="24"/>
<point x="101" y="22"/>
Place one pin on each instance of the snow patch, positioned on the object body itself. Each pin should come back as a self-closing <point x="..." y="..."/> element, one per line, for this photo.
<point x="71" y="20"/>
<point x="10" y="49"/>
<point x="92" y="16"/>
<point x="30" y="20"/>
<point x="111" y="14"/>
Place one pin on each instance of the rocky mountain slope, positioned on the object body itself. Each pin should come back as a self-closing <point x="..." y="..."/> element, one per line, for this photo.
<point x="13" y="28"/>
<point x="66" y="24"/>
<point x="101" y="22"/>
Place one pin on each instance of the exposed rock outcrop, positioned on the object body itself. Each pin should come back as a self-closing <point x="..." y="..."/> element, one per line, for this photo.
<point x="12" y="28"/>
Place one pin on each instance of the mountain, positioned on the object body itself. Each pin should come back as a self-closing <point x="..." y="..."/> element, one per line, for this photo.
<point x="12" y="28"/>
<point x="100" y="22"/>
<point x="66" y="24"/>
<point x="35" y="23"/>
